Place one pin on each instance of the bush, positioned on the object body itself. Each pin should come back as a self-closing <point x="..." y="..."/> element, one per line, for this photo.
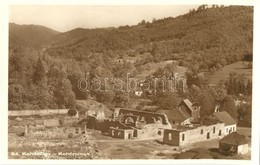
<point x="70" y="135"/>
<point x="72" y="112"/>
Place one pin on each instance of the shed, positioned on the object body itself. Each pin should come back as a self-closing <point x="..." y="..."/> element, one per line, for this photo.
<point x="233" y="143"/>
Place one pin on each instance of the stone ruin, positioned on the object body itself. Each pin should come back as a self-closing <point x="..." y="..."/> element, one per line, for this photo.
<point x="133" y="124"/>
<point x="42" y="132"/>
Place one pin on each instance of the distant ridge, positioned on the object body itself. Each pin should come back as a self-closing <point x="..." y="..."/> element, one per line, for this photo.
<point x="33" y="36"/>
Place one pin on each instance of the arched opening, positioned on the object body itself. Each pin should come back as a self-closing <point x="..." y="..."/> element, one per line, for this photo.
<point x="129" y="120"/>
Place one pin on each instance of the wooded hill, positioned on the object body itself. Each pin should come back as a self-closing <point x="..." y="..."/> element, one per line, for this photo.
<point x="207" y="37"/>
<point x="203" y="39"/>
<point x="33" y="36"/>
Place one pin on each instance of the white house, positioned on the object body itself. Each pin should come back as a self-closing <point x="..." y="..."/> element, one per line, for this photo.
<point x="230" y="123"/>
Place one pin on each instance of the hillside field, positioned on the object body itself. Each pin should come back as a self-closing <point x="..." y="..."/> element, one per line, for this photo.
<point x="240" y="67"/>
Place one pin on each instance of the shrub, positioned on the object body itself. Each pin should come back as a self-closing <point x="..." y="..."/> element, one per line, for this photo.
<point x="70" y="135"/>
<point x="72" y="112"/>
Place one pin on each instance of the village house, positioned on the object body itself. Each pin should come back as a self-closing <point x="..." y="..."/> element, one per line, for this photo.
<point x="233" y="143"/>
<point x="190" y="109"/>
<point x="230" y="123"/>
<point x="138" y="92"/>
<point x="185" y="114"/>
<point x="183" y="136"/>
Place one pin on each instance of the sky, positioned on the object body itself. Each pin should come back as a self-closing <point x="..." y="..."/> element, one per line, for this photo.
<point x="65" y="18"/>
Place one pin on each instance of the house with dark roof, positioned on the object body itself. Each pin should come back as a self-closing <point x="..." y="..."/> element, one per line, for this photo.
<point x="233" y="143"/>
<point x="176" y="116"/>
<point x="230" y="123"/>
<point x="190" y="109"/>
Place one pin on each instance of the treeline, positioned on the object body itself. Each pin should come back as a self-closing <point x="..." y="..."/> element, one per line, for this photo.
<point x="36" y="83"/>
<point x="209" y="38"/>
<point x="39" y="81"/>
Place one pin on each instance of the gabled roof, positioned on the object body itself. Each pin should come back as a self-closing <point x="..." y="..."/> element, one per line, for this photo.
<point x="175" y="114"/>
<point x="187" y="103"/>
<point x="195" y="104"/>
<point x="225" y="117"/>
<point x="234" y="139"/>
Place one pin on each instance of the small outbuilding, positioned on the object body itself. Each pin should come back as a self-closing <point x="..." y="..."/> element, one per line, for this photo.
<point x="233" y="143"/>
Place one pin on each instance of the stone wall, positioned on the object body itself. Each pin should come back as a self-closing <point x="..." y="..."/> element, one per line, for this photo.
<point x="37" y="112"/>
<point x="146" y="132"/>
<point x="171" y="137"/>
<point x="121" y="133"/>
<point x="41" y="132"/>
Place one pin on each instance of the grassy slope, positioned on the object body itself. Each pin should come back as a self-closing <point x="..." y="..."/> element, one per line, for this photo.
<point x="239" y="67"/>
<point x="155" y="66"/>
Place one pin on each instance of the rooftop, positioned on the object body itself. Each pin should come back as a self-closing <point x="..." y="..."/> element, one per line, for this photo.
<point x="187" y="103"/>
<point x="234" y="139"/>
<point x="175" y="114"/>
<point x="225" y="117"/>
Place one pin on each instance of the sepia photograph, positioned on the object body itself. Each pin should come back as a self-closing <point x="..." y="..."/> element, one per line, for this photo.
<point x="130" y="82"/>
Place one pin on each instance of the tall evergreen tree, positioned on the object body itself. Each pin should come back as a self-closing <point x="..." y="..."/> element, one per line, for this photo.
<point x="39" y="75"/>
<point x="228" y="105"/>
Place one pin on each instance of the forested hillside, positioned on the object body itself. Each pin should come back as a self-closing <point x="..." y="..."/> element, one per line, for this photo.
<point x="206" y="37"/>
<point x="33" y="36"/>
<point x="203" y="40"/>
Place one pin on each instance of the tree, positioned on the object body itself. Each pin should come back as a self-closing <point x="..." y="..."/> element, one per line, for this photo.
<point x="194" y="93"/>
<point x="245" y="114"/>
<point x="207" y="104"/>
<point x="228" y="105"/>
<point x="39" y="75"/>
<point x="219" y="92"/>
<point x="166" y="100"/>
<point x="143" y="22"/>
<point x="194" y="78"/>
<point x="121" y="99"/>
<point x="16" y="96"/>
<point x="72" y="112"/>
<point x="105" y="97"/>
<point x="40" y="97"/>
<point x="238" y="84"/>
<point x="60" y="87"/>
